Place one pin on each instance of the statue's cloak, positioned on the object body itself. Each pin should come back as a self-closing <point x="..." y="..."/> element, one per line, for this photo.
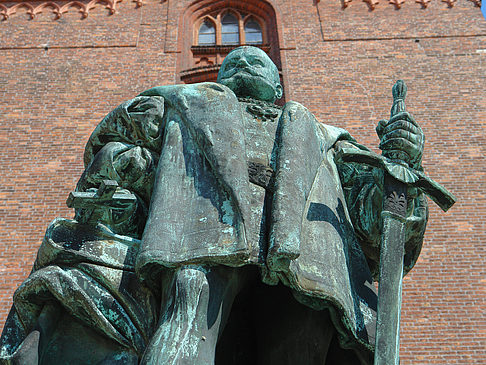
<point x="89" y="272"/>
<point x="201" y="206"/>
<point x="205" y="211"/>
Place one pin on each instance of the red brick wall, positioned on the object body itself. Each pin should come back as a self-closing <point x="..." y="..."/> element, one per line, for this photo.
<point x="340" y="63"/>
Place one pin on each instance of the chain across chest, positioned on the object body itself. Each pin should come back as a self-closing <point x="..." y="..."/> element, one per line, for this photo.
<point x="261" y="121"/>
<point x="261" y="110"/>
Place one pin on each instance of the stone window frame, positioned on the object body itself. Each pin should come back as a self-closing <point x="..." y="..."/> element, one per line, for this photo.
<point x="216" y="19"/>
<point x="212" y="24"/>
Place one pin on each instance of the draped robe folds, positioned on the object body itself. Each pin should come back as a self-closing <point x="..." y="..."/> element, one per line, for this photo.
<point x="203" y="208"/>
<point x="201" y="199"/>
<point x="89" y="272"/>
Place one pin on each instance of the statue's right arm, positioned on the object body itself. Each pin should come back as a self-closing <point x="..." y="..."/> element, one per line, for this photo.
<point x="125" y="148"/>
<point x="363" y="191"/>
<point x="138" y="121"/>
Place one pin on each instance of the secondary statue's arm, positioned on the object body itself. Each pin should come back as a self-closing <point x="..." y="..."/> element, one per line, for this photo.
<point x="401" y="139"/>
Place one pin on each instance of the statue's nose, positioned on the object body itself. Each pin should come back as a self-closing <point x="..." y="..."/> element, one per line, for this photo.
<point x="242" y="62"/>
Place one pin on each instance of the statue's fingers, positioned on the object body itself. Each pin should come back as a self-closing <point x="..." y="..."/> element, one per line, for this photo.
<point x="399" y="144"/>
<point x="403" y="116"/>
<point x="397" y="155"/>
<point x="135" y="102"/>
<point x="381" y="127"/>
<point x="146" y="105"/>
<point x="402" y="124"/>
<point x="401" y="133"/>
<point x="141" y="104"/>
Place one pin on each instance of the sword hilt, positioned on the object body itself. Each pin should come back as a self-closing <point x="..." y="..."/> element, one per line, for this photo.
<point x="411" y="177"/>
<point x="399" y="92"/>
<point x="106" y="196"/>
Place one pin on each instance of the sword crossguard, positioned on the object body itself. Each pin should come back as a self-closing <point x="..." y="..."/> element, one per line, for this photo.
<point x="105" y="196"/>
<point x="403" y="173"/>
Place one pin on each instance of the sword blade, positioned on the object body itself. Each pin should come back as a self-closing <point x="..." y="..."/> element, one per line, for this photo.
<point x="391" y="272"/>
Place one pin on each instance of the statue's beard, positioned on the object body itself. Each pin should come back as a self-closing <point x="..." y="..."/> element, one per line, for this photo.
<point x="245" y="84"/>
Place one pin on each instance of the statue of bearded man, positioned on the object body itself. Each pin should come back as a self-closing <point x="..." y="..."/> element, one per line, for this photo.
<point x="252" y="243"/>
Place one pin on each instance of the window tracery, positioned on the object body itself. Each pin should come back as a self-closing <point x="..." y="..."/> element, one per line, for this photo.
<point x="232" y="28"/>
<point x="207" y="33"/>
<point x="230" y="32"/>
<point x="253" y="32"/>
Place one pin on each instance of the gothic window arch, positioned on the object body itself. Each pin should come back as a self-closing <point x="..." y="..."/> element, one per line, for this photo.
<point x="217" y="27"/>
<point x="230" y="30"/>
<point x="253" y="32"/>
<point x="207" y="33"/>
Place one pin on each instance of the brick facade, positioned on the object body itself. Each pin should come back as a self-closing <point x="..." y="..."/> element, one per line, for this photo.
<point x="60" y="77"/>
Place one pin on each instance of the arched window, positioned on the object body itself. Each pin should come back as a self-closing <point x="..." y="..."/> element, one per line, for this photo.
<point x="230" y="28"/>
<point x="230" y="32"/>
<point x="207" y="34"/>
<point x="253" y="32"/>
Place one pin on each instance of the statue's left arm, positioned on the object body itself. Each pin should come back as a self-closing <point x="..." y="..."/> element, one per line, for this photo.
<point x="401" y="139"/>
<point x="125" y="148"/>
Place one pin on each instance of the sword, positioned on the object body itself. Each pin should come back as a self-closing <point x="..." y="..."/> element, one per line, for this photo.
<point x="398" y="177"/>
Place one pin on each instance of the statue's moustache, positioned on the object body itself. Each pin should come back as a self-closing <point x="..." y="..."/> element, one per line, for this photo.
<point x="244" y="69"/>
<point x="248" y="72"/>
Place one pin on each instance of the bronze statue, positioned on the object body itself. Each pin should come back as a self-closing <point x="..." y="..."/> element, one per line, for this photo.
<point x="194" y="195"/>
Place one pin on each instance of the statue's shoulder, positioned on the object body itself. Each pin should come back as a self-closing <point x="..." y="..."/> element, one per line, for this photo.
<point x="294" y="106"/>
<point x="329" y="132"/>
<point x="200" y="90"/>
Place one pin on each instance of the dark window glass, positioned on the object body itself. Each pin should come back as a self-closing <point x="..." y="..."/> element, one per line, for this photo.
<point x="253" y="32"/>
<point x="207" y="34"/>
<point x="229" y="30"/>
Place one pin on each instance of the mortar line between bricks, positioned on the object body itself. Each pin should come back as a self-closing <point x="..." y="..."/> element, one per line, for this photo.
<point x="400" y="38"/>
<point x="68" y="47"/>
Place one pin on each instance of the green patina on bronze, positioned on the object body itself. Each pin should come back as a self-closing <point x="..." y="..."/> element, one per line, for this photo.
<point x="194" y="195"/>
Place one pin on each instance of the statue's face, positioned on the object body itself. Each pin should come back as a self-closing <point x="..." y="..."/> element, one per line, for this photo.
<point x="249" y="72"/>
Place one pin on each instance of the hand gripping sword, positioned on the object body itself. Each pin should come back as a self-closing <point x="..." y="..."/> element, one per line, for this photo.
<point x="398" y="176"/>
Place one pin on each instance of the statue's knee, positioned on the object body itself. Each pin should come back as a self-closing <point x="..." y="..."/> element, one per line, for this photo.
<point x="190" y="280"/>
<point x="191" y="273"/>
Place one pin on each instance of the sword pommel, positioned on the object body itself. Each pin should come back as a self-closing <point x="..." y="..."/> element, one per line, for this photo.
<point x="399" y="92"/>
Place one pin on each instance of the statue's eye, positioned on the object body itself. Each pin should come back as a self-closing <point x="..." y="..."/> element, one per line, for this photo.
<point x="257" y="62"/>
